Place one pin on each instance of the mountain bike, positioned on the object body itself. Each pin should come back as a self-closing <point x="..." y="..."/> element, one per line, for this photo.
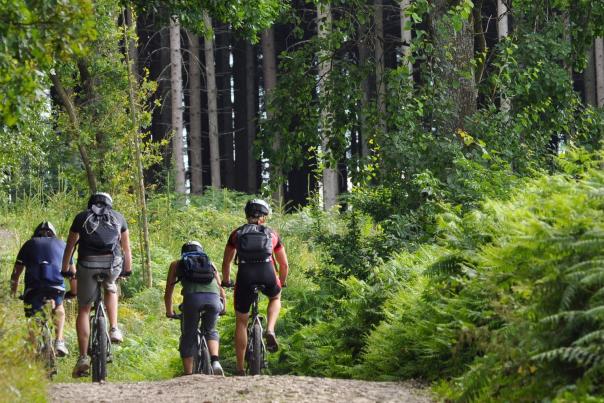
<point x="99" y="344"/>
<point x="45" y="349"/>
<point x="255" y="353"/>
<point x="202" y="363"/>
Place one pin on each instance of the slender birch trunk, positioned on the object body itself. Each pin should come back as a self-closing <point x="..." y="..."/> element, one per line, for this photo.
<point x="502" y="32"/>
<point x="330" y="174"/>
<point x="406" y="36"/>
<point x="599" y="63"/>
<point x="176" y="101"/>
<point x="208" y="50"/>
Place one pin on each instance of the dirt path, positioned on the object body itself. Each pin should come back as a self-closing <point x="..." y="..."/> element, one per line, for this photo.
<point x="202" y="388"/>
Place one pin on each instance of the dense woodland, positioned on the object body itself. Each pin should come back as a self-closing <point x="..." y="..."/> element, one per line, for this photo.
<point x="435" y="169"/>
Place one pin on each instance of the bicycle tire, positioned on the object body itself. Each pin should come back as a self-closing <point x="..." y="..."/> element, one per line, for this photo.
<point x="205" y="361"/>
<point x="99" y="348"/>
<point x="255" y="353"/>
<point x="48" y="351"/>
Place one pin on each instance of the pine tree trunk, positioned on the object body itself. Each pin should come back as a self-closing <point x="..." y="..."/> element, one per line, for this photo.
<point x="225" y="105"/>
<point x="241" y="153"/>
<point x="380" y="76"/>
<point x="330" y="174"/>
<point x="195" y="161"/>
<point x="176" y="98"/>
<point x="251" y="93"/>
<point x="406" y="36"/>
<point x="208" y="49"/>
<point x="589" y="78"/>
<point x="269" y="75"/>
<point x="599" y="63"/>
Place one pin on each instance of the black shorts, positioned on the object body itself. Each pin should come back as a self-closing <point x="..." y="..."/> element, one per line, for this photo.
<point x="249" y="275"/>
<point x="34" y="299"/>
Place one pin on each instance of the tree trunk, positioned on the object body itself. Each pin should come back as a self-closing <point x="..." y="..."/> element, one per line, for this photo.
<point x="330" y="174"/>
<point x="195" y="162"/>
<point x="251" y="92"/>
<point x="365" y="92"/>
<point x="599" y="63"/>
<point x="208" y="49"/>
<point x="225" y="105"/>
<point x="241" y="153"/>
<point x="406" y="36"/>
<point x="69" y="107"/>
<point x="454" y="54"/>
<point x="380" y="76"/>
<point x="589" y="78"/>
<point x="502" y="32"/>
<point x="132" y="61"/>
<point x="177" y="110"/>
<point x="269" y="75"/>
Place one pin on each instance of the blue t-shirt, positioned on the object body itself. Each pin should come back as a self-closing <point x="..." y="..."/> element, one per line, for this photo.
<point x="42" y="258"/>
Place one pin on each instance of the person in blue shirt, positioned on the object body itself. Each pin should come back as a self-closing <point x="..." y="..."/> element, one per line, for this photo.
<point x="41" y="258"/>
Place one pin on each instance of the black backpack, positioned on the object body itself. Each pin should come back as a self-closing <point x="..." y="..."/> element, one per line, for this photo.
<point x="254" y="244"/>
<point x="196" y="267"/>
<point x="101" y="230"/>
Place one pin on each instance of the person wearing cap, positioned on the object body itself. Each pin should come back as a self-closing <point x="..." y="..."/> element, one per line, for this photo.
<point x="202" y="293"/>
<point x="41" y="257"/>
<point x="103" y="245"/>
<point x="257" y="247"/>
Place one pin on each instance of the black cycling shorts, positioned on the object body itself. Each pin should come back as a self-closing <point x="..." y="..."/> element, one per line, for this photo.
<point x="252" y="274"/>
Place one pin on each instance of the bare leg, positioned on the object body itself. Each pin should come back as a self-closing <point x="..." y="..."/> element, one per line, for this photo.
<point x="83" y="328"/>
<point x="59" y="317"/>
<point x="111" y="304"/>
<point x="272" y="313"/>
<point x="187" y="363"/>
<point x="240" y="338"/>
<point x="73" y="286"/>
<point x="213" y="347"/>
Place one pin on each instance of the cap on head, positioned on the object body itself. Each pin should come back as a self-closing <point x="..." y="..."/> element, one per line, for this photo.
<point x="257" y="208"/>
<point x="45" y="228"/>
<point x="102" y="198"/>
<point x="191" y="246"/>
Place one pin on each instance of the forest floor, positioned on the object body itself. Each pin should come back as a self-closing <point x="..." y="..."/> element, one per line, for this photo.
<point x="203" y="388"/>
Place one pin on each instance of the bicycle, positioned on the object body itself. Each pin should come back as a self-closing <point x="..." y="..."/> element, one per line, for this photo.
<point x="99" y="344"/>
<point x="255" y="353"/>
<point x="45" y="349"/>
<point x="202" y="363"/>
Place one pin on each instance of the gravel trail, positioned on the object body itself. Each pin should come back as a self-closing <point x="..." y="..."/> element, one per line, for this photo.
<point x="203" y="388"/>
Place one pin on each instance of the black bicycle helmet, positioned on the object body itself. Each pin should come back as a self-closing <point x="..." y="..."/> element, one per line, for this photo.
<point x="257" y="208"/>
<point x="100" y="198"/>
<point x="191" y="246"/>
<point x="43" y="227"/>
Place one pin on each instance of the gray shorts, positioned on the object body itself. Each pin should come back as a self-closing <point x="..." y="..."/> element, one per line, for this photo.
<point x="91" y="265"/>
<point x="192" y="305"/>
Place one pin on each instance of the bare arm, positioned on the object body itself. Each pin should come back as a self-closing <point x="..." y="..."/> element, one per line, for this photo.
<point x="125" y="243"/>
<point x="170" y="282"/>
<point x="14" y="278"/>
<point x="281" y="257"/>
<point x="227" y="259"/>
<point x="72" y="239"/>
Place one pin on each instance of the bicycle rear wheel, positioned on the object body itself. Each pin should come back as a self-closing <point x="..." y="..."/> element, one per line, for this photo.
<point x="204" y="359"/>
<point x="254" y="354"/>
<point x="99" y="347"/>
<point x="48" y="351"/>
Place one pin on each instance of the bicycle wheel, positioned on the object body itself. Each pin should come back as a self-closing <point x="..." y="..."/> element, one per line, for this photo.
<point x="99" y="347"/>
<point x="48" y="351"/>
<point x="205" y="361"/>
<point x="254" y="355"/>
